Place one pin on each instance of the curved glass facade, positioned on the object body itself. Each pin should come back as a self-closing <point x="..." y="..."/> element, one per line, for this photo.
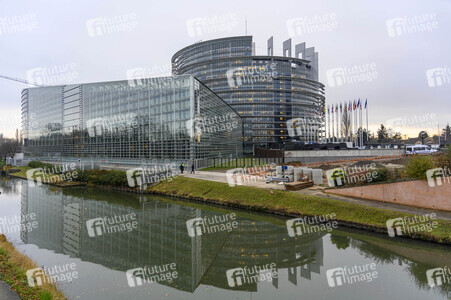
<point x="267" y="91"/>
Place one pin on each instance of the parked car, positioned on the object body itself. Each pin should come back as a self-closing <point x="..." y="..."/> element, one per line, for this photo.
<point x="420" y="149"/>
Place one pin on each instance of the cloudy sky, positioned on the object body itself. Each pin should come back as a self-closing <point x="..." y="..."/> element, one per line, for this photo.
<point x="394" y="53"/>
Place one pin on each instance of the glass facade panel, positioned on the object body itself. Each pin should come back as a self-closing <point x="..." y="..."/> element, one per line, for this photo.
<point x="266" y="91"/>
<point x="156" y="118"/>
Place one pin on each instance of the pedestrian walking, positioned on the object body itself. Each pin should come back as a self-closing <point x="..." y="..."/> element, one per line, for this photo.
<point x="182" y="167"/>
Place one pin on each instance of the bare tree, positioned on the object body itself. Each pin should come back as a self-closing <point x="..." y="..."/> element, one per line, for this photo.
<point x="345" y="124"/>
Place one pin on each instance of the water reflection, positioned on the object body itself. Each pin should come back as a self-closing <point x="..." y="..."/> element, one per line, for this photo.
<point x="162" y="238"/>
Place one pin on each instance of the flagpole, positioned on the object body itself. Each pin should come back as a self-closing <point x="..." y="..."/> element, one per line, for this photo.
<point x="355" y="124"/>
<point x="333" y="125"/>
<point x="336" y="124"/>
<point x="328" y="125"/>
<point x="361" y="126"/>
<point x="350" y="123"/>
<point x="338" y="116"/>
<point x="339" y="122"/>
<point x="367" y="123"/>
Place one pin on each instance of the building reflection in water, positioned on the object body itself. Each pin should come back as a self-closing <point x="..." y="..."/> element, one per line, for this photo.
<point x="162" y="238"/>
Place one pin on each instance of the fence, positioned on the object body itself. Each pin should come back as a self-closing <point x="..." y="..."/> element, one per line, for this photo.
<point x="88" y="164"/>
<point x="237" y="162"/>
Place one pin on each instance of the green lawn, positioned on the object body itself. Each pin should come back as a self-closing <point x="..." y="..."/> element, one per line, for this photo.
<point x="23" y="174"/>
<point x="292" y="204"/>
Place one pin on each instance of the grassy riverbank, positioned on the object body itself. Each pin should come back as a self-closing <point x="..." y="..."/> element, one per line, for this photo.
<point x="13" y="267"/>
<point x="293" y="204"/>
<point x="61" y="183"/>
<point x="264" y="200"/>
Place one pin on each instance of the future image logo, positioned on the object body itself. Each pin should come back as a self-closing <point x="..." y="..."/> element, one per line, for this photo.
<point x="113" y="124"/>
<point x="53" y="75"/>
<point x="351" y="274"/>
<point x="107" y="25"/>
<point x="151" y="274"/>
<point x="35" y="277"/>
<point x="411" y="225"/>
<point x="194" y="127"/>
<point x="136" y="76"/>
<point x="312" y="24"/>
<point x="208" y="225"/>
<point x="52" y="274"/>
<point x="438" y="276"/>
<point x="251" y="275"/>
<point x="110" y="225"/>
<point x="335" y="177"/>
<point x="35" y="177"/>
<point x="297" y="127"/>
<point x="395" y="227"/>
<point x="414" y="24"/>
<point x="239" y="76"/>
<point x="135" y="277"/>
<point x="438" y="176"/>
<point x="194" y="227"/>
<point x="214" y="24"/>
<point x="351" y="74"/>
<point x="135" y="177"/>
<point x="18" y="23"/>
<point x="309" y="225"/>
<point x="438" y="76"/>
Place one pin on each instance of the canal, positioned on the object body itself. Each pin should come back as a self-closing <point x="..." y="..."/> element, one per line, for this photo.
<point x="108" y="236"/>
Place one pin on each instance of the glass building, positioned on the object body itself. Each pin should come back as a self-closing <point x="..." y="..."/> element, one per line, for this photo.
<point x="267" y="91"/>
<point x="167" y="118"/>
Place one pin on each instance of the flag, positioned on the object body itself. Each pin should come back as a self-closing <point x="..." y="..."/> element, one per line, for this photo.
<point x="336" y="107"/>
<point x="346" y="107"/>
<point x="341" y="108"/>
<point x="366" y="103"/>
<point x="349" y="106"/>
<point x="332" y="110"/>
<point x="358" y="103"/>
<point x="328" y="110"/>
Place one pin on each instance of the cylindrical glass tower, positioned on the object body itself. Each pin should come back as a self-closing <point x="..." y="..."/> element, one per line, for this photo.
<point x="269" y="92"/>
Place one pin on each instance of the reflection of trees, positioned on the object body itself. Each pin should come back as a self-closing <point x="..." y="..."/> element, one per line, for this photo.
<point x="341" y="242"/>
<point x="379" y="255"/>
<point x="417" y="273"/>
<point x="416" y="270"/>
<point x="9" y="186"/>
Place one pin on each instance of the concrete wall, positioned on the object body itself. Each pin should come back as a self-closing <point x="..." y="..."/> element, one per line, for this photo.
<point x="413" y="193"/>
<point x="314" y="156"/>
<point x="344" y="153"/>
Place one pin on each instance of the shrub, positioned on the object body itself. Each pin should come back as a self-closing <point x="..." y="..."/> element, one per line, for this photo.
<point x="382" y="175"/>
<point x="103" y="177"/>
<point x="40" y="164"/>
<point x="418" y="165"/>
<point x="398" y="174"/>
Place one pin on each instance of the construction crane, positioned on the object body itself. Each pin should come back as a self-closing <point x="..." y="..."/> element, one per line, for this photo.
<point x="22" y="80"/>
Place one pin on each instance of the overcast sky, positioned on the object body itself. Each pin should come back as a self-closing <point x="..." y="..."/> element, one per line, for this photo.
<point x="402" y="64"/>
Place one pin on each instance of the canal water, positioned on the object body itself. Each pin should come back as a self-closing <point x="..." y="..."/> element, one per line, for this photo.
<point x="111" y="242"/>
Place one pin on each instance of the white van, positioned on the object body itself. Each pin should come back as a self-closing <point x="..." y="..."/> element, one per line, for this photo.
<point x="419" y="149"/>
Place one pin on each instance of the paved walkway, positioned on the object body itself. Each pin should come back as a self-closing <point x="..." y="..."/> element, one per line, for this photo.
<point x="7" y="293"/>
<point x="220" y="176"/>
